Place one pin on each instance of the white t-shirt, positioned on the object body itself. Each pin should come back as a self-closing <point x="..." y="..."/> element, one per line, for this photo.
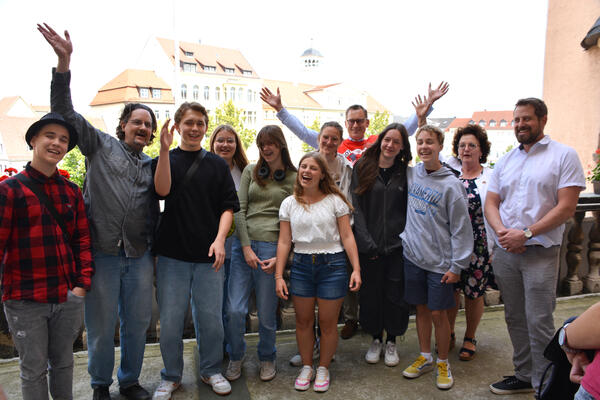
<point x="314" y="227"/>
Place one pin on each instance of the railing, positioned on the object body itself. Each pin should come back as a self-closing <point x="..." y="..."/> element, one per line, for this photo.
<point x="577" y="274"/>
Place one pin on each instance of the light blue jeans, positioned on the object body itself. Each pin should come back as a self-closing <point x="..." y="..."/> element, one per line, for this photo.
<point x="242" y="279"/>
<point x="178" y="281"/>
<point x="120" y="286"/>
<point x="583" y="394"/>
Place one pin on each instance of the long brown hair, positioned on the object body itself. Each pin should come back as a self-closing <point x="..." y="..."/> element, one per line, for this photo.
<point x="326" y="184"/>
<point x="239" y="157"/>
<point x="367" y="168"/>
<point x="274" y="134"/>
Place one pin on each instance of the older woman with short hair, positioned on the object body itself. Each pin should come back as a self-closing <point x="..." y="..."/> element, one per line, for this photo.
<point x="471" y="146"/>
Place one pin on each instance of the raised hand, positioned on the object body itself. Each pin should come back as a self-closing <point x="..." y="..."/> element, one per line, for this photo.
<point x="435" y="94"/>
<point x="421" y="106"/>
<point x="62" y="47"/>
<point x="166" y="136"/>
<point x="273" y="100"/>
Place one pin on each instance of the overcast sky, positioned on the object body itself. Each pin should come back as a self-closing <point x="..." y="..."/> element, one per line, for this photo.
<point x="491" y="52"/>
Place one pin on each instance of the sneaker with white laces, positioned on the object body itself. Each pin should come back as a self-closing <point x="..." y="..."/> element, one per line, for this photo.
<point x="164" y="390"/>
<point x="444" y="378"/>
<point x="391" y="358"/>
<point x="219" y="384"/>
<point x="374" y="353"/>
<point x="234" y="370"/>
<point x="322" y="380"/>
<point x="304" y="378"/>
<point x="267" y="370"/>
<point x="511" y="385"/>
<point x="418" y="368"/>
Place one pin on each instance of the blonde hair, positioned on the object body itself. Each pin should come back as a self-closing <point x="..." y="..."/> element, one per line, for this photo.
<point x="432" y="129"/>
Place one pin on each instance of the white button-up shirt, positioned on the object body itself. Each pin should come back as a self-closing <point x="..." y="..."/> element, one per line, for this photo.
<point x="528" y="184"/>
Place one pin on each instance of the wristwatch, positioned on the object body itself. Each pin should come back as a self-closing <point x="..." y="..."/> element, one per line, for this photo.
<point x="528" y="233"/>
<point x="562" y="340"/>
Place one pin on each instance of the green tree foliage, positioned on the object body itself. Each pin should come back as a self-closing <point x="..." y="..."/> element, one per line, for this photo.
<point x="227" y="113"/>
<point x="379" y="121"/>
<point x="74" y="163"/>
<point x="316" y="126"/>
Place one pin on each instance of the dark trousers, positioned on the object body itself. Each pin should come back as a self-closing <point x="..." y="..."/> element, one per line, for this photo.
<point x="382" y="305"/>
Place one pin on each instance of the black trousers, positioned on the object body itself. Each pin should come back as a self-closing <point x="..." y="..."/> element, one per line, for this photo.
<point x="382" y="305"/>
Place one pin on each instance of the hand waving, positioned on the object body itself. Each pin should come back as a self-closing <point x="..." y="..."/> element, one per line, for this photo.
<point x="166" y="136"/>
<point x="273" y="100"/>
<point x="62" y="47"/>
<point x="435" y="94"/>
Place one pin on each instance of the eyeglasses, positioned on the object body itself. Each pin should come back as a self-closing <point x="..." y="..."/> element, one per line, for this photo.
<point x="355" y="121"/>
<point x="472" y="146"/>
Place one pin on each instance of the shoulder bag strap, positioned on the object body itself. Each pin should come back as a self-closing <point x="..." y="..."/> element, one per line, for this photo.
<point x="41" y="195"/>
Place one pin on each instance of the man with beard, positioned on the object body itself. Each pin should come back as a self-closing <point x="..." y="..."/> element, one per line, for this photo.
<point x="532" y="193"/>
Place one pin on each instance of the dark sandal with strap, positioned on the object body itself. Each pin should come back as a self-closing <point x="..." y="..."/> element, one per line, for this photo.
<point x="470" y="353"/>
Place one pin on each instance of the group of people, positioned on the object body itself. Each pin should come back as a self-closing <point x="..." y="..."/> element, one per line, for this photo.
<point x="358" y="217"/>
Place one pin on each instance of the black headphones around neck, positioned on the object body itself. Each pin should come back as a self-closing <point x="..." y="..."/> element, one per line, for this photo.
<point x="265" y="171"/>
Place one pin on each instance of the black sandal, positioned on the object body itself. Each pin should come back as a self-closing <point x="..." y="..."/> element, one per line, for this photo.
<point x="470" y="353"/>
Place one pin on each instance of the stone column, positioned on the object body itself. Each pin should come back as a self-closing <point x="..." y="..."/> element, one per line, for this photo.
<point x="571" y="283"/>
<point x="591" y="282"/>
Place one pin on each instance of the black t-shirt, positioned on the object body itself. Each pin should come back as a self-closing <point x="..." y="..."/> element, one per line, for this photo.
<point x="190" y="226"/>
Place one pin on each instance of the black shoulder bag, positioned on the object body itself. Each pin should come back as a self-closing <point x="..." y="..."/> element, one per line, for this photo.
<point x="174" y="196"/>
<point x="41" y="195"/>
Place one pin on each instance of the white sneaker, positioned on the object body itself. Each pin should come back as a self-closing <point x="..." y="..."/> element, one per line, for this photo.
<point x="304" y="378"/>
<point x="219" y="384"/>
<point x="391" y="358"/>
<point x="234" y="370"/>
<point x="267" y="370"/>
<point x="164" y="390"/>
<point x="322" y="380"/>
<point x="296" y="361"/>
<point x="372" y="356"/>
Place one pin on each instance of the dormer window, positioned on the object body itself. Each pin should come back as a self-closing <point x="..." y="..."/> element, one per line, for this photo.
<point x="503" y="123"/>
<point x="482" y="123"/>
<point x="492" y="123"/>
<point x="229" y="70"/>
<point x="209" y="68"/>
<point x="144" y="93"/>
<point x="188" y="53"/>
<point x="156" y="93"/>
<point x="188" y="67"/>
<point x="245" y="72"/>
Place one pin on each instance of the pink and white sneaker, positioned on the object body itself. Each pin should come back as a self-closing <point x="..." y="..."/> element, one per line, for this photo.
<point x="322" y="380"/>
<point x="304" y="378"/>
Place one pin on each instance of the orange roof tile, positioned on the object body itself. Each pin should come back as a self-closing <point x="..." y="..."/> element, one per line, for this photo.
<point x="321" y="87"/>
<point x="293" y="94"/>
<point x="125" y="88"/>
<point x="458" y="123"/>
<point x="202" y="55"/>
<point x="41" y="109"/>
<point x="6" y="103"/>
<point x="373" y="105"/>
<point x="497" y="116"/>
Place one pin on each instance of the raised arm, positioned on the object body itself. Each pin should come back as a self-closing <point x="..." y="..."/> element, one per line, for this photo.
<point x="162" y="175"/>
<point x="308" y="136"/>
<point x="424" y="107"/>
<point x="60" y="91"/>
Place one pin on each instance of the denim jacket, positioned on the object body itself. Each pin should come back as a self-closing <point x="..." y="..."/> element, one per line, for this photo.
<point x="118" y="191"/>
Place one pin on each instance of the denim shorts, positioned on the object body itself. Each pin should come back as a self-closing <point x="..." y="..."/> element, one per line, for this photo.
<point x="319" y="275"/>
<point x="425" y="287"/>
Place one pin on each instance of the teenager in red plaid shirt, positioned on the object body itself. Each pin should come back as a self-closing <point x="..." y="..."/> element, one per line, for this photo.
<point x="46" y="272"/>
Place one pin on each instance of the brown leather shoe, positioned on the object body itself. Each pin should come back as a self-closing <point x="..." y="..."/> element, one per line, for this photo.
<point x="349" y="329"/>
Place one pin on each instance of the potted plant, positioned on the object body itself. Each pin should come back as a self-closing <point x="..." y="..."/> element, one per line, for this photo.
<point x="594" y="173"/>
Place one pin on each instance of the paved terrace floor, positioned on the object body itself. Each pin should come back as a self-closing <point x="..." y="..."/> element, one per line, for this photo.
<point x="352" y="377"/>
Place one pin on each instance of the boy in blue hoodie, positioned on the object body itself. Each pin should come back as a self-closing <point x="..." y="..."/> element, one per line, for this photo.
<point x="438" y="242"/>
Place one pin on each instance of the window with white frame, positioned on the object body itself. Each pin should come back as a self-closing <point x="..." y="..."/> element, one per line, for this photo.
<point x="503" y="123"/>
<point x="167" y="114"/>
<point x="245" y="72"/>
<point x="482" y="122"/>
<point x="188" y="53"/>
<point x="240" y="94"/>
<point x="184" y="91"/>
<point x="492" y="123"/>
<point x="232" y="94"/>
<point x="195" y="91"/>
<point x="209" y="68"/>
<point x="206" y="93"/>
<point x="157" y="114"/>
<point x="229" y="70"/>
<point x="144" y="93"/>
<point x="156" y="93"/>
<point x="217" y="93"/>
<point x="249" y="96"/>
<point x="189" y="67"/>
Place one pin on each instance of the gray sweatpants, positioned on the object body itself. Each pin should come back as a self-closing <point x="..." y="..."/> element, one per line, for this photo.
<point x="44" y="335"/>
<point x="527" y="283"/>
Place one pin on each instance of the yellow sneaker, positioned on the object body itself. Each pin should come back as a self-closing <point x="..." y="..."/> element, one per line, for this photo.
<point x="418" y="368"/>
<point x="444" y="376"/>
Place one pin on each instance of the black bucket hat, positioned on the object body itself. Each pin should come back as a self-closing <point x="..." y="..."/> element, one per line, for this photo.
<point x="51" y="118"/>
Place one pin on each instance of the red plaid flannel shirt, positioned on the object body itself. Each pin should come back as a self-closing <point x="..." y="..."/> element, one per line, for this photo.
<point x="37" y="263"/>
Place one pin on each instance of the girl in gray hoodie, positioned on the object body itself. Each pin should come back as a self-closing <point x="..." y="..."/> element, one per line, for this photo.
<point x="438" y="242"/>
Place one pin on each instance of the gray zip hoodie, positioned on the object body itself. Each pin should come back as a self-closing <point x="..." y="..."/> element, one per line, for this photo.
<point x="438" y="236"/>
